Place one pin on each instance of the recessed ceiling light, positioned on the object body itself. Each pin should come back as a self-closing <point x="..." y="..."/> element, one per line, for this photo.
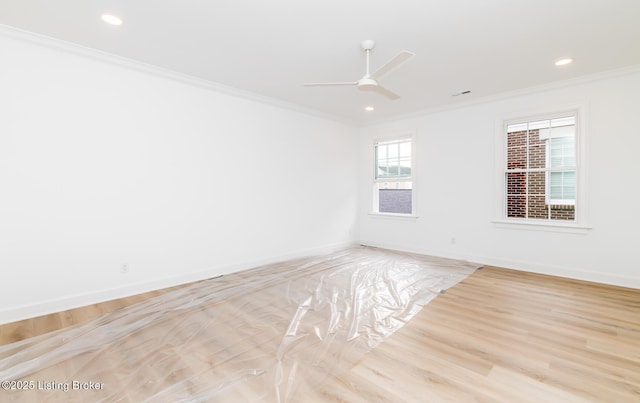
<point x="111" y="19"/>
<point x="563" y="62"/>
<point x="369" y="108"/>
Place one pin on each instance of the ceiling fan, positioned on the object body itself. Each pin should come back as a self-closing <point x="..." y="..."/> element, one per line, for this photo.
<point x="369" y="82"/>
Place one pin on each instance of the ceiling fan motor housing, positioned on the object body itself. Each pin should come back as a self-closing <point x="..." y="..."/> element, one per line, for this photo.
<point x="368" y="44"/>
<point x="366" y="83"/>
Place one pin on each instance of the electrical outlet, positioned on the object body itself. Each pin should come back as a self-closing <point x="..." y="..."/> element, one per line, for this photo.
<point x="453" y="240"/>
<point x="124" y="268"/>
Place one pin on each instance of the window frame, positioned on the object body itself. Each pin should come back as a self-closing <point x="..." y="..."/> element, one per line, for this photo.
<point x="581" y="217"/>
<point x="374" y="202"/>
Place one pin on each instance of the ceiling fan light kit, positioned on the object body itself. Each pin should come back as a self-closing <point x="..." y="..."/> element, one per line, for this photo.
<point x="369" y="82"/>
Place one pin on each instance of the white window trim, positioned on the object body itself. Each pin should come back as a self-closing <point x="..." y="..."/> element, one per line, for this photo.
<point x="394" y="216"/>
<point x="372" y="177"/>
<point x="581" y="222"/>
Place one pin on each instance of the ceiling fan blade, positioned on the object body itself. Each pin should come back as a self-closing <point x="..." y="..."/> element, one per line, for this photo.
<point x="387" y="93"/>
<point x="392" y="64"/>
<point x="329" y="84"/>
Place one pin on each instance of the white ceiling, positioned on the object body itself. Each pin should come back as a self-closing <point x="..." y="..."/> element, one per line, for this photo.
<point x="272" y="47"/>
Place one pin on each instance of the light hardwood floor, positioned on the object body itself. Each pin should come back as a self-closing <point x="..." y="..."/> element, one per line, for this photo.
<point x="498" y="336"/>
<point x="27" y="328"/>
<point x="504" y="335"/>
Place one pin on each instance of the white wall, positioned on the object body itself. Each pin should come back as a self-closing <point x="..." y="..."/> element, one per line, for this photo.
<point x="102" y="165"/>
<point x="456" y="194"/>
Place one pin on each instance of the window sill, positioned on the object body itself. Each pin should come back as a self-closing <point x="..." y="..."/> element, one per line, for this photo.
<point x="543" y="225"/>
<point x="394" y="216"/>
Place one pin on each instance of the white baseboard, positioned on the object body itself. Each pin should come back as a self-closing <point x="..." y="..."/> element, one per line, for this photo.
<point x="82" y="299"/>
<point x="552" y="270"/>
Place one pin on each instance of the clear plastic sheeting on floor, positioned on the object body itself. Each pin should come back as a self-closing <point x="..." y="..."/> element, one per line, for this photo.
<point x="274" y="333"/>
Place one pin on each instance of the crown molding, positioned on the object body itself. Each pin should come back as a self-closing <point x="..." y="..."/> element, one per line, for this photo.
<point x="105" y="57"/>
<point x="79" y="50"/>
<point x="634" y="69"/>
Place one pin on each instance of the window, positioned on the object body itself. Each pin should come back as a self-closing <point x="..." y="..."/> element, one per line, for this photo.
<point x="393" y="183"/>
<point x="541" y="169"/>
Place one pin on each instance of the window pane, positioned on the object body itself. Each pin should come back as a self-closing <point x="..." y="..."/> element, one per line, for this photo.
<point x="569" y="185"/>
<point x="556" y="159"/>
<point x="563" y="186"/>
<point x="556" y="185"/>
<point x="517" y="139"/>
<point x="388" y="171"/>
<point x="392" y="149"/>
<point x="394" y="197"/>
<point x="537" y="183"/>
<point x="537" y="157"/>
<point x="405" y="149"/>
<point x="516" y="206"/>
<point x="566" y="212"/>
<point x="516" y="183"/>
<point x="393" y="160"/>
<point x="381" y="152"/>
<point x="405" y="167"/>
<point x="537" y="207"/>
<point x="562" y="152"/>
<point x="517" y="158"/>
<point x="534" y="138"/>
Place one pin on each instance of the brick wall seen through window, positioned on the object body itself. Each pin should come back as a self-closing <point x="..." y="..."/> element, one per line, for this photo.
<point x="536" y="177"/>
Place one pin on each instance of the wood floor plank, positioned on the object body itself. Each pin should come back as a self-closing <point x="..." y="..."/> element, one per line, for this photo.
<point x="498" y="336"/>
<point x="537" y="351"/>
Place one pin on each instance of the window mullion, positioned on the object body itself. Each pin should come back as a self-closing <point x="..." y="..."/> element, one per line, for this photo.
<point x="526" y="181"/>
